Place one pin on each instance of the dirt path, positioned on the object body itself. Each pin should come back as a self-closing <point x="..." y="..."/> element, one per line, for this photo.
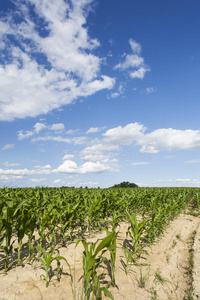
<point x="165" y="277"/>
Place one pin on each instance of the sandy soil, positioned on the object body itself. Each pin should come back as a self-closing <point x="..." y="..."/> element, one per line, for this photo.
<point x="165" y="276"/>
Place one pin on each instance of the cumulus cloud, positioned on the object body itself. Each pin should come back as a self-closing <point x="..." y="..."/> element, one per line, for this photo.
<point x="8" y="146"/>
<point x="57" y="33"/>
<point x="134" y="62"/>
<point x="8" y="165"/>
<point x="72" y="131"/>
<point x="39" y="126"/>
<point x="94" y="129"/>
<point x="136" y="47"/>
<point x="24" y="135"/>
<point x="116" y="139"/>
<point x="170" y="139"/>
<point x="139" y="73"/>
<point x="68" y="156"/>
<point x="7" y="178"/>
<point x="51" y="138"/>
<point x="46" y="167"/>
<point x="58" y="126"/>
<point x="26" y="172"/>
<point x="69" y="166"/>
<point x="141" y="163"/>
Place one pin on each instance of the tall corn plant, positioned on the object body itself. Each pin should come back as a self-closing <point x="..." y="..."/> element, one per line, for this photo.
<point x="113" y="245"/>
<point x="92" y="258"/>
<point x="22" y="219"/>
<point x="6" y="225"/>
<point x="135" y="232"/>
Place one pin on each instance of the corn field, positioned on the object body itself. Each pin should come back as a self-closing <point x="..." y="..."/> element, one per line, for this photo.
<point x="59" y="215"/>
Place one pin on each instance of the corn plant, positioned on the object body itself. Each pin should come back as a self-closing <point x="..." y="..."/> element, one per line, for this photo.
<point x="197" y="198"/>
<point x="30" y="232"/>
<point x="7" y="226"/>
<point x="22" y="218"/>
<point x="129" y="259"/>
<point x="113" y="250"/>
<point x="47" y="260"/>
<point x="92" y="259"/>
<point x="135" y="232"/>
<point x="113" y="246"/>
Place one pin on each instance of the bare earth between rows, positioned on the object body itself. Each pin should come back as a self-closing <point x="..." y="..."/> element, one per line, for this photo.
<point x="168" y="258"/>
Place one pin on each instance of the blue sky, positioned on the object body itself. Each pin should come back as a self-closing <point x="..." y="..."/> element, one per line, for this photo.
<point x="93" y="93"/>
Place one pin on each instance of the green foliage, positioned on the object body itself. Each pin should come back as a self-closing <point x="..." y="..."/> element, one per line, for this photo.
<point x="125" y="184"/>
<point x="47" y="259"/>
<point x="92" y="259"/>
<point x="62" y="214"/>
<point x="135" y="232"/>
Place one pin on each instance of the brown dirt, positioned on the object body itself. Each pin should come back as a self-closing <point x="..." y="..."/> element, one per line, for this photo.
<point x="165" y="277"/>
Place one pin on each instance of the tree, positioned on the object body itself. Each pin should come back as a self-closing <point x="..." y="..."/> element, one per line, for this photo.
<point x="125" y="184"/>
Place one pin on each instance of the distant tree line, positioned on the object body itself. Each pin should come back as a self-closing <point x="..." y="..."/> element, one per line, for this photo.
<point x="125" y="184"/>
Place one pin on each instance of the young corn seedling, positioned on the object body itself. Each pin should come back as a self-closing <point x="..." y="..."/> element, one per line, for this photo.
<point x="92" y="258"/>
<point x="135" y="232"/>
<point x="129" y="259"/>
<point x="47" y="260"/>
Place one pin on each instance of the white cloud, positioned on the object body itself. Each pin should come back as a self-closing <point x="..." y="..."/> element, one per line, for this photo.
<point x="68" y="156"/>
<point x="134" y="61"/>
<point x="57" y="181"/>
<point x="131" y="61"/>
<point x="193" y="161"/>
<point x="140" y="72"/>
<point x="52" y="138"/>
<point x="89" y="183"/>
<point x="30" y="88"/>
<point x="136" y="47"/>
<point x="120" y="91"/>
<point x="58" y="126"/>
<point x="46" y="167"/>
<point x="24" y="135"/>
<point x="125" y="135"/>
<point x="38" y="179"/>
<point x="72" y="131"/>
<point x="25" y="172"/>
<point x="8" y="146"/>
<point x="180" y="182"/>
<point x="116" y="139"/>
<point x="183" y="180"/>
<point x="39" y="126"/>
<point x="16" y="172"/>
<point x="115" y="95"/>
<point x="10" y="177"/>
<point x="69" y="166"/>
<point x="141" y="163"/>
<point x="150" y="90"/>
<point x="170" y="139"/>
<point x="94" y="129"/>
<point x="7" y="164"/>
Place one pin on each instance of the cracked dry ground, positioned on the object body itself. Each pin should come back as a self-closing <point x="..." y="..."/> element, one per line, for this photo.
<point x="166" y="276"/>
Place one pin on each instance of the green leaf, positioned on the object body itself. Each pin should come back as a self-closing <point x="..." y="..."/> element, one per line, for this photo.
<point x="104" y="243"/>
<point x="107" y="293"/>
